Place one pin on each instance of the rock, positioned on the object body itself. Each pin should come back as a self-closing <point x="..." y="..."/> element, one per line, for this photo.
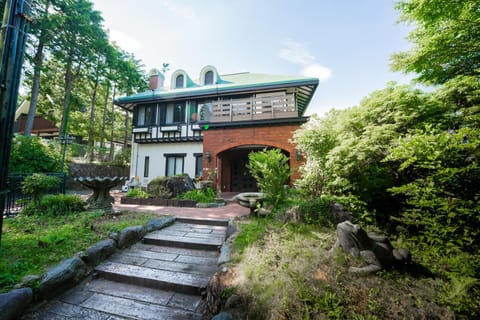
<point x="231" y="230"/>
<point x="14" y="302"/>
<point x="113" y="236"/>
<point x="130" y="235"/>
<point x="170" y="187"/>
<point x="222" y="316"/>
<point x="157" y="224"/>
<point x="28" y="281"/>
<point x="63" y="276"/>
<point x="373" y="248"/>
<point x="233" y="301"/>
<point x="339" y="213"/>
<point x="224" y="254"/>
<point x="99" y="252"/>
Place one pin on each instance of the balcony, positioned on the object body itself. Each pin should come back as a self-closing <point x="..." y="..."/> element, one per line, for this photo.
<point x="271" y="106"/>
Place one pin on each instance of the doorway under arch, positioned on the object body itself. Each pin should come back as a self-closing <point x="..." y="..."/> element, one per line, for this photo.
<point x="234" y="174"/>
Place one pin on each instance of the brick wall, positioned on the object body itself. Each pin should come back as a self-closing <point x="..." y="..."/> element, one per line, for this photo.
<point x="218" y="140"/>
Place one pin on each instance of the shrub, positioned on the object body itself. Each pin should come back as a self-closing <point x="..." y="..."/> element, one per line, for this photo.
<point x="32" y="154"/>
<point x="56" y="205"/>
<point x="271" y="170"/>
<point x="136" y="193"/>
<point x="203" y="196"/>
<point x="38" y="184"/>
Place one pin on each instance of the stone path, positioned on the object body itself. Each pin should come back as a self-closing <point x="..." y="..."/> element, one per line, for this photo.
<point x="162" y="277"/>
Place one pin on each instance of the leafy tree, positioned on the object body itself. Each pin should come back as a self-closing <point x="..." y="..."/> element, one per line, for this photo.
<point x="38" y="184"/>
<point x="271" y="170"/>
<point x="31" y="154"/>
<point x="446" y="39"/>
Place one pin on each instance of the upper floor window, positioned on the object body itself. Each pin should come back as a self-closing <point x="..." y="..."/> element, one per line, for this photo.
<point x="209" y="77"/>
<point x="175" y="113"/>
<point x="146" y="115"/>
<point x="179" y="80"/>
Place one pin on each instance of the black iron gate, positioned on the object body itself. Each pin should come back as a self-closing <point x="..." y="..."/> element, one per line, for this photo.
<point x="16" y="200"/>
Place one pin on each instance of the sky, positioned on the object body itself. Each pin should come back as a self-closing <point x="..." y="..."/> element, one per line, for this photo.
<point x="346" y="44"/>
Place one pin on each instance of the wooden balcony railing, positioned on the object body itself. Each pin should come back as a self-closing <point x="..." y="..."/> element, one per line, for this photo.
<point x="272" y="106"/>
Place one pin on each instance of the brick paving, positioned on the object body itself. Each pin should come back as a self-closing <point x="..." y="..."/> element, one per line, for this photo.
<point x="162" y="277"/>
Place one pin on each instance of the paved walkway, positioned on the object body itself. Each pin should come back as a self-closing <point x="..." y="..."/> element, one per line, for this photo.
<point x="162" y="277"/>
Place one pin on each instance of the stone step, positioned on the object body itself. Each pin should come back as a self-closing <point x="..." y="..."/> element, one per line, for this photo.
<point x="188" y="283"/>
<point x="188" y="236"/>
<point x="204" y="221"/>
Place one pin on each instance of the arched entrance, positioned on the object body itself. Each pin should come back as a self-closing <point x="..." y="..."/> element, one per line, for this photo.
<point x="234" y="174"/>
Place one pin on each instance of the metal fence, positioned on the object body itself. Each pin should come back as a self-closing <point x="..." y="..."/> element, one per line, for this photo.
<point x="16" y="200"/>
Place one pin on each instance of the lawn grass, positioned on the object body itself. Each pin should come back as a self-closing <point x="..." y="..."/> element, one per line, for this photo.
<point x="32" y="244"/>
<point x="288" y="271"/>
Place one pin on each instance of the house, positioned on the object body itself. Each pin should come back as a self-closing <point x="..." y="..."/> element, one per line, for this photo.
<point x="42" y="127"/>
<point x="207" y="128"/>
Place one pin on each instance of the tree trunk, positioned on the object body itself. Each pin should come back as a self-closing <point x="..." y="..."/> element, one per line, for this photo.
<point x="92" y="118"/>
<point x="38" y="62"/>
<point x="38" y="65"/>
<point x="112" y="146"/>
<point x="69" y="78"/>
<point x="104" y="118"/>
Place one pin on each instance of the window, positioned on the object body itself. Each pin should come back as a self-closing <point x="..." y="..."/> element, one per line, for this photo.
<point x="146" y="115"/>
<point x="175" y="113"/>
<point x="174" y="164"/>
<point x="198" y="164"/>
<point x="179" y="80"/>
<point x="146" y="167"/>
<point x="208" y="77"/>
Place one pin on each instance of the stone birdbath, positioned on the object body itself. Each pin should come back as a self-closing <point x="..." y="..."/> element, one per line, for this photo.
<point x="100" y="179"/>
<point x="250" y="199"/>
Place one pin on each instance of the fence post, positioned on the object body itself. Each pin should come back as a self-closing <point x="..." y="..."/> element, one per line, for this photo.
<point x="12" y="44"/>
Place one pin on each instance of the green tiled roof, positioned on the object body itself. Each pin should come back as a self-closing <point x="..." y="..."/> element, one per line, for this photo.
<point x="227" y="84"/>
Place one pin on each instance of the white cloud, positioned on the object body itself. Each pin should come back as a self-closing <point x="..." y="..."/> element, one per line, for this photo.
<point x="297" y="53"/>
<point x="186" y="12"/>
<point x="125" y="41"/>
<point x="317" y="71"/>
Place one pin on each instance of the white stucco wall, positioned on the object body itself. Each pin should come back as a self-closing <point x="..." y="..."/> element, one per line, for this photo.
<point x="156" y="152"/>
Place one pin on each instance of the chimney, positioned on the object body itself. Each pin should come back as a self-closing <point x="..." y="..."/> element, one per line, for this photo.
<point x="156" y="79"/>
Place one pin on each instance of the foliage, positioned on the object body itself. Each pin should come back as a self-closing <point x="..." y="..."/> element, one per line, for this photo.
<point x="70" y="64"/>
<point x="202" y="196"/>
<point x="56" y="205"/>
<point x="136" y="193"/>
<point x="32" y="154"/>
<point x="38" y="184"/>
<point x="271" y="170"/>
<point x="31" y="244"/>
<point x="445" y="39"/>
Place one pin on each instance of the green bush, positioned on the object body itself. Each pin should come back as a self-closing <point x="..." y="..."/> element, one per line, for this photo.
<point x="137" y="194"/>
<point x="32" y="154"/>
<point x="201" y="196"/>
<point x="56" y="205"/>
<point x="271" y="170"/>
<point x="38" y="184"/>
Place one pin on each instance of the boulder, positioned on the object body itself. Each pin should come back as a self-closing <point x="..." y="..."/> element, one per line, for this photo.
<point x="223" y="316"/>
<point x="99" y="252"/>
<point x="170" y="187"/>
<point x="375" y="249"/>
<point x="157" y="224"/>
<point x="130" y="235"/>
<point x="14" y="302"/>
<point x="29" y="280"/>
<point x="65" y="275"/>
<point x="339" y="213"/>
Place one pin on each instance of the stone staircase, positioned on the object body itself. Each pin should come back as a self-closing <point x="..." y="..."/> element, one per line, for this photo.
<point x="162" y="277"/>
